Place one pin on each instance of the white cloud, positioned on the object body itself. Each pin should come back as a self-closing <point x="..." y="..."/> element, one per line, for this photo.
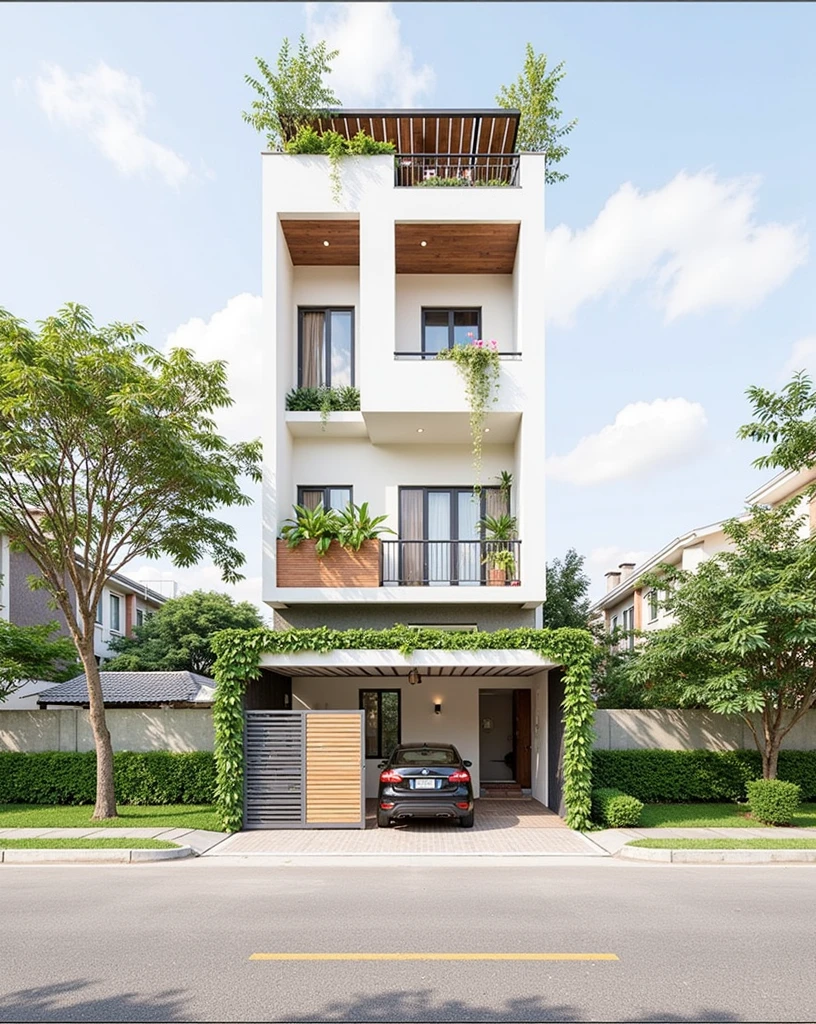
<point x="644" y="436"/>
<point x="696" y="240"/>
<point x="802" y="357"/>
<point x="111" y="108"/>
<point x="234" y="333"/>
<point x="374" y="66"/>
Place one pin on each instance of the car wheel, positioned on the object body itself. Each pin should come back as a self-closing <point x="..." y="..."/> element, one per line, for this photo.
<point x="383" y="821"/>
<point x="466" y="821"/>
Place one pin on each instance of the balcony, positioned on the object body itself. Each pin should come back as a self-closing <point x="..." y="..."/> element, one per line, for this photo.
<point x="464" y="170"/>
<point x="450" y="563"/>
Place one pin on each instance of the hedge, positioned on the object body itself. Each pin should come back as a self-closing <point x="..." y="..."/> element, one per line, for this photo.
<point x="773" y="801"/>
<point x="689" y="776"/>
<point x="158" y="777"/>
<point x="614" y="809"/>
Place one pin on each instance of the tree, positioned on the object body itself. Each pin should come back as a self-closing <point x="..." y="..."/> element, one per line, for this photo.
<point x="787" y="421"/>
<point x="534" y="94"/>
<point x="109" y="452"/>
<point x="567" y="587"/>
<point x="744" y="639"/>
<point x="292" y="95"/>
<point x="177" y="636"/>
<point x="31" y="652"/>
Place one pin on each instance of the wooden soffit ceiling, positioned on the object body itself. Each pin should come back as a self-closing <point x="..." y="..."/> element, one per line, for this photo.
<point x="456" y="248"/>
<point x="306" y="240"/>
<point x="430" y="131"/>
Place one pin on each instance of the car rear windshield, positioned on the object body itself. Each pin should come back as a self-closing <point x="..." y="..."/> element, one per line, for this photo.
<point x="440" y="757"/>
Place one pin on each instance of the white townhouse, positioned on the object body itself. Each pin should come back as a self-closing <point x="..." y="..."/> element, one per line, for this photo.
<point x="440" y="244"/>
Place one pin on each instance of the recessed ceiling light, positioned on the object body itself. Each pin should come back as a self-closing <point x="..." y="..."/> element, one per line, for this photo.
<point x="420" y="430"/>
<point x="423" y="243"/>
<point x="487" y="430"/>
<point x="325" y="243"/>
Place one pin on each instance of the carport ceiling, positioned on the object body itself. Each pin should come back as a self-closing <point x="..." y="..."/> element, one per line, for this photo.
<point x="456" y="248"/>
<point x="389" y="671"/>
<point x="307" y="242"/>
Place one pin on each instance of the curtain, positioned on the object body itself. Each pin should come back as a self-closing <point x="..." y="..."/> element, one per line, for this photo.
<point x="313" y="360"/>
<point x="311" y="499"/>
<point x="469" y="567"/>
<point x="411" y="528"/>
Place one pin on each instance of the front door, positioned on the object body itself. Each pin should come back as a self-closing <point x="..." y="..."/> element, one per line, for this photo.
<point x="522" y="737"/>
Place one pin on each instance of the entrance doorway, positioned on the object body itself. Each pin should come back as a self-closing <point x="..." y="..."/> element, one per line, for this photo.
<point x="505" y="736"/>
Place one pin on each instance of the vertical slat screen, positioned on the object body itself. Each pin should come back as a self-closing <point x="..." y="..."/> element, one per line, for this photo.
<point x="273" y="769"/>
<point x="334" y="769"/>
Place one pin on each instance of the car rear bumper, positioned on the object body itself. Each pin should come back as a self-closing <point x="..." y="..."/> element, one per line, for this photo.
<point x="418" y="808"/>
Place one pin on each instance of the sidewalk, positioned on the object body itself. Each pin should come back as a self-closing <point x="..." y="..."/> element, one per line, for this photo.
<point x="198" y="839"/>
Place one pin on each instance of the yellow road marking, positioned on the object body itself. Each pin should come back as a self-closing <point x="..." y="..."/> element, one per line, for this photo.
<point x="433" y="956"/>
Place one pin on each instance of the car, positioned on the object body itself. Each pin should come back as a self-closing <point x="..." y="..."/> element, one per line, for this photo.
<point x="425" y="780"/>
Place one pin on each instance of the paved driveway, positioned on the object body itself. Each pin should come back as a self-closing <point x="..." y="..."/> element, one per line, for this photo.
<point x="503" y="827"/>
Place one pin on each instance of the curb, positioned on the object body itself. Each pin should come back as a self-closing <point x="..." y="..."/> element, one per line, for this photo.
<point x="718" y="856"/>
<point x="79" y="856"/>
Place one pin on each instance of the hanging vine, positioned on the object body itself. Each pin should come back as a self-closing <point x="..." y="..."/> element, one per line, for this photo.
<point x="238" y="655"/>
<point x="478" y="366"/>
<point x="335" y="146"/>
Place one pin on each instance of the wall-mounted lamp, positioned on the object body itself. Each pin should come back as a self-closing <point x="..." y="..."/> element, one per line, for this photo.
<point x="438" y="708"/>
<point x="413" y="677"/>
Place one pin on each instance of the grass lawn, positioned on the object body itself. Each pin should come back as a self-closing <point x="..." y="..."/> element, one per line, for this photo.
<point x="120" y="843"/>
<point x="725" y="844"/>
<point x="171" y="816"/>
<point x="714" y="816"/>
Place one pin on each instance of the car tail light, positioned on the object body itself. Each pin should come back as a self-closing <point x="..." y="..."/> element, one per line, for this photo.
<point x="390" y="776"/>
<point x="387" y="806"/>
<point x="461" y="776"/>
<point x="464" y="806"/>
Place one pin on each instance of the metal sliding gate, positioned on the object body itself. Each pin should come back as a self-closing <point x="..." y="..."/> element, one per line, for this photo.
<point x="304" y="769"/>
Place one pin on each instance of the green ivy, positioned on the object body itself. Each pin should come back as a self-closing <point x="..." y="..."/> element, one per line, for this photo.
<point x="238" y="656"/>
<point x="478" y="366"/>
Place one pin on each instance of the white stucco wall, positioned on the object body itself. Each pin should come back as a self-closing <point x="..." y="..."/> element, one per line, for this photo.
<point x="458" y="723"/>
<point x="492" y="292"/>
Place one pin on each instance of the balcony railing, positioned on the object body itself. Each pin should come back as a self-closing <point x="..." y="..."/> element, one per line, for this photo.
<point x="433" y="355"/>
<point x="462" y="168"/>
<point x="448" y="563"/>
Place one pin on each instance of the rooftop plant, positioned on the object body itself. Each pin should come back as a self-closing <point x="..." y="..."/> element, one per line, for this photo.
<point x="323" y="400"/>
<point x="335" y="146"/>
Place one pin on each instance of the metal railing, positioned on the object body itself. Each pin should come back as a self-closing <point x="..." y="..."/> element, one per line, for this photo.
<point x="433" y="355"/>
<point x="449" y="563"/>
<point x="465" y="168"/>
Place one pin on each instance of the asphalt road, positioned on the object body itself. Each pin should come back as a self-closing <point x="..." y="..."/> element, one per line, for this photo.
<point x="173" y="943"/>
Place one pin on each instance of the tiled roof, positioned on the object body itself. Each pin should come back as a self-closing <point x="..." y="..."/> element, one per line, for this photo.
<point x="136" y="688"/>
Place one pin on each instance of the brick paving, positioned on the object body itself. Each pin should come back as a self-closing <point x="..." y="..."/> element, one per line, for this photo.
<point x="511" y="827"/>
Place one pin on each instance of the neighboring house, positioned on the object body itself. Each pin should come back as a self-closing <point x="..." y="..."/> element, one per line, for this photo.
<point x="24" y="698"/>
<point x="627" y="606"/>
<point x="125" y="603"/>
<point x="366" y="293"/>
<point x="135" y="690"/>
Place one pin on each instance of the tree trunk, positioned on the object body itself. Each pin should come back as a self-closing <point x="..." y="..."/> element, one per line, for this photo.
<point x="770" y="757"/>
<point x="105" y="793"/>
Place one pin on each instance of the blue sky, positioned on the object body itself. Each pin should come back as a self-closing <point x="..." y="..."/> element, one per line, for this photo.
<point x="678" y="258"/>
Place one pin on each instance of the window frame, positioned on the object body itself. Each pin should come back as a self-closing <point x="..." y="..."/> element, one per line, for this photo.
<point x="325" y="488"/>
<point x="451" y="311"/>
<point x="380" y="691"/>
<point x="653" y="598"/>
<point x="327" y="311"/>
<point x="140" y="617"/>
<point x="99" y="613"/>
<point x="117" y="619"/>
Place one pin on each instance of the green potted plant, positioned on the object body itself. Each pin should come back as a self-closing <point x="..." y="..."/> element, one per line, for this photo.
<point x="501" y="566"/>
<point x="499" y="557"/>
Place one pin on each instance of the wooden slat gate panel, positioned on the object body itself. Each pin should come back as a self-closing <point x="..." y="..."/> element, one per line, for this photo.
<point x="304" y="769"/>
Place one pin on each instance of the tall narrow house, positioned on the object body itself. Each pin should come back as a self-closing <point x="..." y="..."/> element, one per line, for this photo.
<point x="371" y="269"/>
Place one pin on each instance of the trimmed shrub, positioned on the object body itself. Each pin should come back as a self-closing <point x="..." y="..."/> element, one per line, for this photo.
<point x="773" y="801"/>
<point x="59" y="777"/>
<point x="615" y="809"/>
<point x="696" y="776"/>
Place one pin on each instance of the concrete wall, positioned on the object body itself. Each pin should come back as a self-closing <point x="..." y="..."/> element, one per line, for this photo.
<point x="688" y="730"/>
<point x="458" y="723"/>
<point x="139" y="729"/>
<point x="348" y="616"/>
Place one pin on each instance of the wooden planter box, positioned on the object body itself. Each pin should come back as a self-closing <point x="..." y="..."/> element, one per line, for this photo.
<point x="300" y="566"/>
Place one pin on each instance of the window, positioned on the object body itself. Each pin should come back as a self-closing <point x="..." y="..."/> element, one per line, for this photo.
<point x="325" y="348"/>
<point x="382" y="721"/>
<point x="98" y="616"/>
<point x="654" y="605"/>
<point x="614" y="624"/>
<point x="628" y="624"/>
<point x="114" y="613"/>
<point x="432" y="757"/>
<point x="139" y="617"/>
<point x="444" y="328"/>
<point x="338" y="498"/>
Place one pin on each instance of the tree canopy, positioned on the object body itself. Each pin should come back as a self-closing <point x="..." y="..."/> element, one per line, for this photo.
<point x="744" y="637"/>
<point x="109" y="452"/>
<point x="33" y="652"/>
<point x="787" y="421"/>
<point x="567" y="603"/>
<point x="534" y="94"/>
<point x="177" y="635"/>
<point x="292" y="94"/>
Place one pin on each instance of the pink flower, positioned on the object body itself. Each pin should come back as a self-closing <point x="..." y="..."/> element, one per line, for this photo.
<point x="494" y="344"/>
<point x="470" y="334"/>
